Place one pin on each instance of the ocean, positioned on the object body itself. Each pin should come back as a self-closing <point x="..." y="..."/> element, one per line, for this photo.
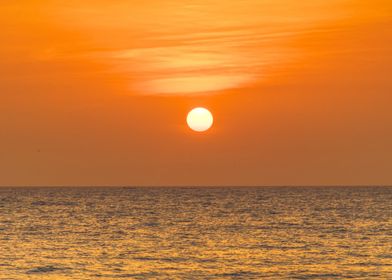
<point x="196" y="233"/>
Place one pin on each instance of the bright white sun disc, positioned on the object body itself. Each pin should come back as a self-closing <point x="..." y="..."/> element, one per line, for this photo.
<point x="200" y="119"/>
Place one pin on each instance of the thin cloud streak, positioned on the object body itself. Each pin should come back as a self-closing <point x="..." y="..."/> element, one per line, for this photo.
<point x="194" y="49"/>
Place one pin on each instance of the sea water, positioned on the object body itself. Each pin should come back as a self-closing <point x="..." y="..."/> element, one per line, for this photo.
<point x="196" y="233"/>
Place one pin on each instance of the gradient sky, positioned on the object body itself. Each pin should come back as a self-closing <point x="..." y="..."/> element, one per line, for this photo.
<point x="96" y="92"/>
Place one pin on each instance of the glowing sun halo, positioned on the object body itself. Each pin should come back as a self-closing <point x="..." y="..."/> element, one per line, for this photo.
<point x="200" y="119"/>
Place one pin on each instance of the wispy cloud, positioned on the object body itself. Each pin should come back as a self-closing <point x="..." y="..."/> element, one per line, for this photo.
<point x="184" y="47"/>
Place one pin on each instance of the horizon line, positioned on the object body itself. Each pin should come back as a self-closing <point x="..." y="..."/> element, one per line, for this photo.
<point x="197" y="186"/>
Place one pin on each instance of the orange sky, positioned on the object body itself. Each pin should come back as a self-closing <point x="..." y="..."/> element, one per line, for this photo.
<point x="97" y="92"/>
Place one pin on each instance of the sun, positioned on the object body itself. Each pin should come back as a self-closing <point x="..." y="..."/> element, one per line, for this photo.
<point x="200" y="119"/>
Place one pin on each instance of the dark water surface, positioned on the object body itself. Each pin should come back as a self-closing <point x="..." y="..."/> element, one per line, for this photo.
<point x="196" y="233"/>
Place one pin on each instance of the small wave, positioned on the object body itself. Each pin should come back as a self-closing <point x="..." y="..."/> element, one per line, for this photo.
<point x="44" y="269"/>
<point x="51" y="203"/>
<point x="318" y="276"/>
<point x="237" y="274"/>
<point x="145" y="275"/>
<point x="385" y="256"/>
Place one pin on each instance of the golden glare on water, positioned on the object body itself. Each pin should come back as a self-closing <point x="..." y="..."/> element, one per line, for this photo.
<point x="200" y="119"/>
